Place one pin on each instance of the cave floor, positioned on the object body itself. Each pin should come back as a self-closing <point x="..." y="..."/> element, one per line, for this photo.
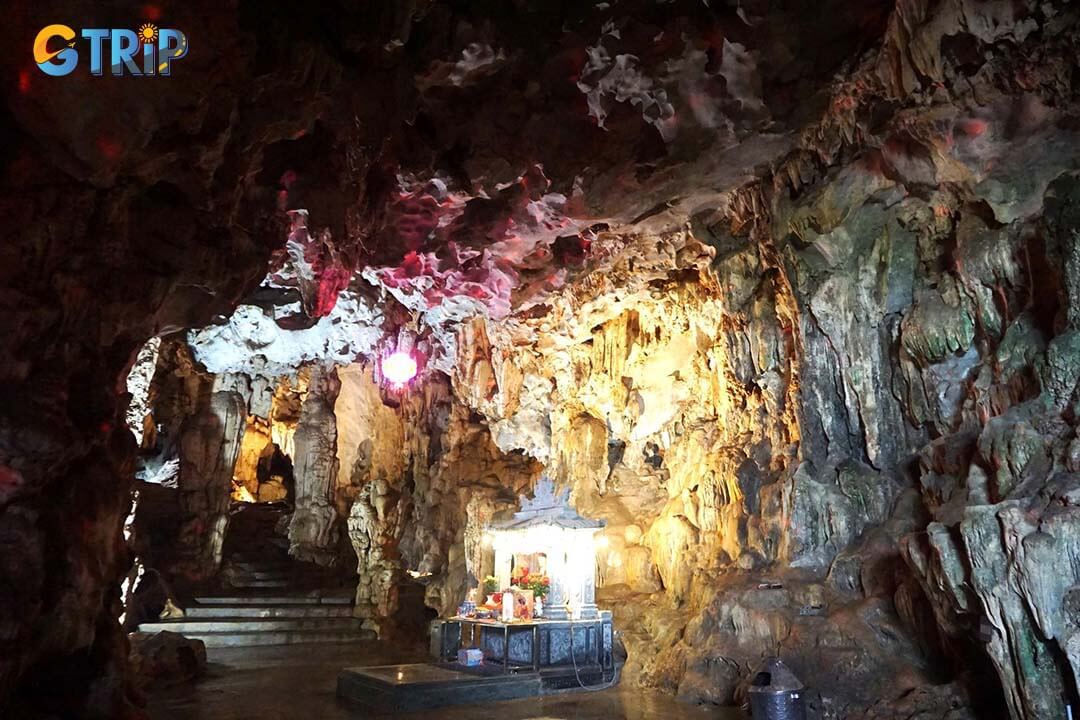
<point x="298" y="681"/>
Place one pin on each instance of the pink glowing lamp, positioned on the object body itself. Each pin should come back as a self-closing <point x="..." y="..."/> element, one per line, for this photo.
<point x="399" y="367"/>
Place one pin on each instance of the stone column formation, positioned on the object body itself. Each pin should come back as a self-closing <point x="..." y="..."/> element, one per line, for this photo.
<point x="379" y="569"/>
<point x="209" y="445"/>
<point x="478" y="551"/>
<point x="313" y="529"/>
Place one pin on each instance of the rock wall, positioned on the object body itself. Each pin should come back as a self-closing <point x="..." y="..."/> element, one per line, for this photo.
<point x="418" y="483"/>
<point x="999" y="556"/>
<point x="138" y="383"/>
<point x="875" y="336"/>
<point x="785" y="291"/>
<point x="254" y="445"/>
<point x="135" y="212"/>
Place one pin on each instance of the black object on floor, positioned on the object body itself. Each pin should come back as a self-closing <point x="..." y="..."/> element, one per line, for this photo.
<point x="404" y="688"/>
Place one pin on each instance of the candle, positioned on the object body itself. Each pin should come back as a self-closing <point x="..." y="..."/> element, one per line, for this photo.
<point x="508" y="607"/>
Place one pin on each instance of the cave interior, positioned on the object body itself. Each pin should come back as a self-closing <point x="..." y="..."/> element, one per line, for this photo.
<point x="786" y="294"/>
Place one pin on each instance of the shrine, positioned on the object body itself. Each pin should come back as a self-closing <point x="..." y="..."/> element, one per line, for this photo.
<point x="531" y="626"/>
<point x="548" y="539"/>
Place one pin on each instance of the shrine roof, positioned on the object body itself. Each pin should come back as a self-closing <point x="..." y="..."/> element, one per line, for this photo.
<point x="547" y="508"/>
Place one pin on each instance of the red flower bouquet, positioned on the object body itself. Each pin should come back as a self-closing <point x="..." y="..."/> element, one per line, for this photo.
<point x="539" y="584"/>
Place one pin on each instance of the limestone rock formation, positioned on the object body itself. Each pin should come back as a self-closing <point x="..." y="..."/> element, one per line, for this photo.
<point x="313" y="528"/>
<point x="209" y="447"/>
<point x="785" y="292"/>
<point x="166" y="658"/>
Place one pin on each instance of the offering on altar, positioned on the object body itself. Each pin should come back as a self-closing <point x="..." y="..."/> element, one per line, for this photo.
<point x="523" y="605"/>
<point x="508" y="605"/>
<point x="527" y="581"/>
<point x="470" y="657"/>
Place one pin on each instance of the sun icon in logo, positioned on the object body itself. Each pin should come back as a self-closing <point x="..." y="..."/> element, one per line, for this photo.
<point x="147" y="33"/>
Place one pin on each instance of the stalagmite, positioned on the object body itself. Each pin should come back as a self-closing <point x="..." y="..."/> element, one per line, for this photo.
<point x="209" y="445"/>
<point x="314" y="527"/>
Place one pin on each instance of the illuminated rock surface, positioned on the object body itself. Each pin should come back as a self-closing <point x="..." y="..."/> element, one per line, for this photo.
<point x="786" y="293"/>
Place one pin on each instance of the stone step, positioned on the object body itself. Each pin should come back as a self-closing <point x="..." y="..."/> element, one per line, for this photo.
<point x="190" y="628"/>
<point x="260" y="560"/>
<point x="271" y="556"/>
<point x="283" y="566"/>
<point x="262" y="570"/>
<point x="257" y="575"/>
<point x="335" y="599"/>
<point x="280" y="637"/>
<point x="297" y="610"/>
<point x="246" y="583"/>
<point x="275" y="558"/>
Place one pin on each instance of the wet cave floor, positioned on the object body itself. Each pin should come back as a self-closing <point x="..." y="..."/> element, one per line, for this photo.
<point x="298" y="682"/>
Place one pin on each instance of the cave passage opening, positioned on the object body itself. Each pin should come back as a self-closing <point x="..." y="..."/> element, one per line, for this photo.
<point x="273" y="480"/>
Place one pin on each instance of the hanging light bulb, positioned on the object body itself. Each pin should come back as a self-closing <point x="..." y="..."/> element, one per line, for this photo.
<point x="399" y="367"/>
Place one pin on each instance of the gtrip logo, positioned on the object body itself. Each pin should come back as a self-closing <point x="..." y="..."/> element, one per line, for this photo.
<point x="147" y="51"/>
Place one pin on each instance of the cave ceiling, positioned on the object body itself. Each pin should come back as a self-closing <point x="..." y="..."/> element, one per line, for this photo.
<point x="423" y="163"/>
<point x="341" y="172"/>
<point x="439" y="161"/>
<point x="525" y="163"/>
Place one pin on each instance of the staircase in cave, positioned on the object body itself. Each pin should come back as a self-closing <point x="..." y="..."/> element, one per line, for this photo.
<point x="265" y="597"/>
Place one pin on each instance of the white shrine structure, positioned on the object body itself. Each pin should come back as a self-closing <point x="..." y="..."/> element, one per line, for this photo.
<point x="548" y="536"/>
